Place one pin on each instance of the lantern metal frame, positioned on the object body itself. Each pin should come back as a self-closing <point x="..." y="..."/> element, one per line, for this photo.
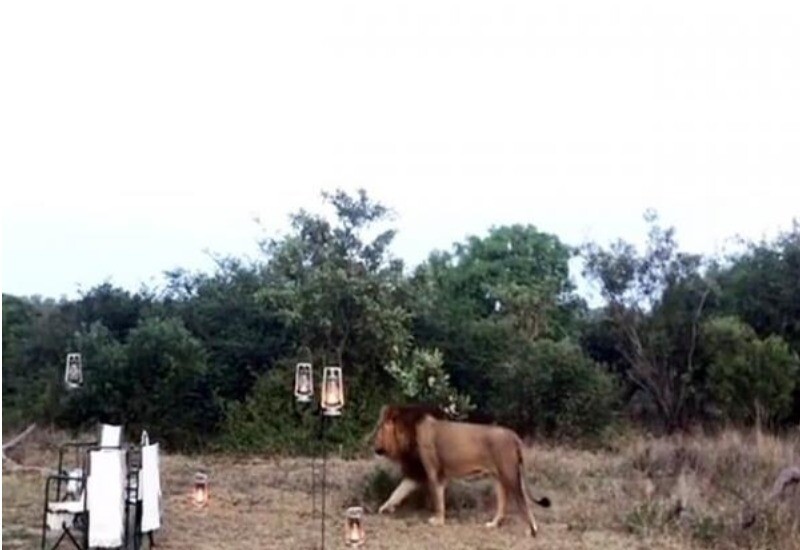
<point x="200" y="488"/>
<point x="332" y="393"/>
<point x="73" y="371"/>
<point x="354" y="525"/>
<point x="304" y="382"/>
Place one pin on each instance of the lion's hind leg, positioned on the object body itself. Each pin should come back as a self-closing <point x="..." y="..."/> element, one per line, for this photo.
<point x="437" y="491"/>
<point x="501" y="493"/>
<point x="524" y="500"/>
<point x="511" y="474"/>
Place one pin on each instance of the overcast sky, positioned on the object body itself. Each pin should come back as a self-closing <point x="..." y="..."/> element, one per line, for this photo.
<point x="135" y="136"/>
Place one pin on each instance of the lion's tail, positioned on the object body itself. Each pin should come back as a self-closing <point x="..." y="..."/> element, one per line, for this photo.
<point x="544" y="502"/>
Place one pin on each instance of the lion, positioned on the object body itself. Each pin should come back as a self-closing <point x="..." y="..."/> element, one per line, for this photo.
<point x="431" y="449"/>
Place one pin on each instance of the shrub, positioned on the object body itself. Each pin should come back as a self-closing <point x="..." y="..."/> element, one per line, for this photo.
<point x="552" y="388"/>
<point x="270" y="421"/>
<point x="749" y="377"/>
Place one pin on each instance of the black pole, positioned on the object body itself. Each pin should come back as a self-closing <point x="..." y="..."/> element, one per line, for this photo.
<point x="324" y="477"/>
<point x="314" y="449"/>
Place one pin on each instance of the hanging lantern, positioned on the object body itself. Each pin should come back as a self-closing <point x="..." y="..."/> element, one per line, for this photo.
<point x="200" y="494"/>
<point x="73" y="375"/>
<point x="332" y="391"/>
<point x="354" y="526"/>
<point x="303" y="382"/>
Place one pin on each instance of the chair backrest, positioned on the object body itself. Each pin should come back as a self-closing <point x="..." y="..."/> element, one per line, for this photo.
<point x="150" y="488"/>
<point x="105" y="497"/>
<point x="110" y="435"/>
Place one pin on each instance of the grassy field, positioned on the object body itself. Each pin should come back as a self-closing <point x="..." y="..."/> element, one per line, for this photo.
<point x="682" y="492"/>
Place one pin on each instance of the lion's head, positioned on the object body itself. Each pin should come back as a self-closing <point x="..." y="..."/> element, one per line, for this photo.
<point x="396" y="431"/>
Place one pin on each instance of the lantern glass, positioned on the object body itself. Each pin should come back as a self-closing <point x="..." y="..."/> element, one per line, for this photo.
<point x="354" y="526"/>
<point x="303" y="382"/>
<point x="73" y="374"/>
<point x="200" y="494"/>
<point x="332" y="391"/>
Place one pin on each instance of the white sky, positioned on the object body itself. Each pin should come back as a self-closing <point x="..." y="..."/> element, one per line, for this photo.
<point x="133" y="136"/>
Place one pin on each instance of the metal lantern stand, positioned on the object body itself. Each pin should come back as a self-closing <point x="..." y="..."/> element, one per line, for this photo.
<point x="329" y="405"/>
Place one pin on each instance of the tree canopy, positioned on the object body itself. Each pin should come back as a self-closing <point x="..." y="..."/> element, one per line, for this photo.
<point x="491" y="328"/>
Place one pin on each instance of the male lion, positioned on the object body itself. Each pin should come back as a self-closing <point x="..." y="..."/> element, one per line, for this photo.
<point x="431" y="449"/>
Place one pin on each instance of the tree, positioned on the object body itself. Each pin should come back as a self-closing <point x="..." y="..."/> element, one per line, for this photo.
<point x="656" y="302"/>
<point x="341" y="294"/>
<point x="761" y="286"/>
<point x="480" y="302"/>
<point x="115" y="308"/>
<point x="242" y="337"/>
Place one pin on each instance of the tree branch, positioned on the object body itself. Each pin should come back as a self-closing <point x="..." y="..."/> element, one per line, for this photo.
<point x="16" y="439"/>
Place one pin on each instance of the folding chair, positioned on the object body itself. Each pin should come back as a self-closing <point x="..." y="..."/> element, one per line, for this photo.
<point x="101" y="504"/>
<point x="110" y="436"/>
<point x="63" y="514"/>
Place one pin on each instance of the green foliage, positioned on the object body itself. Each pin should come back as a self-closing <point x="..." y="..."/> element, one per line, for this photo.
<point x="423" y="380"/>
<point x="748" y="376"/>
<point x="553" y="389"/>
<point x="269" y="420"/>
<point x="341" y="294"/>
<point x="34" y="335"/>
<point x="488" y="325"/>
<point x="156" y="381"/>
<point x="656" y="301"/>
<point x="241" y="337"/>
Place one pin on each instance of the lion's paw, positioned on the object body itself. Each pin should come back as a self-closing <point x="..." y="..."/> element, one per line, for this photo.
<point x="435" y="520"/>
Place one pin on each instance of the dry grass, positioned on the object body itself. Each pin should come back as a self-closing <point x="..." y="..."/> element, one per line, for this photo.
<point x="681" y="492"/>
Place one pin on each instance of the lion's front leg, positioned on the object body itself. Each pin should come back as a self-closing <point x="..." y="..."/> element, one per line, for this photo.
<point x="406" y="487"/>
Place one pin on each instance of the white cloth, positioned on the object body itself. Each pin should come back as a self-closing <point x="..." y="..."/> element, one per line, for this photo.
<point x="150" y="488"/>
<point x="110" y="435"/>
<point x="105" y="496"/>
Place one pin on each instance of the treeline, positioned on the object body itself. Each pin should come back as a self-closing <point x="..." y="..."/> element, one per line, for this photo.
<point x="493" y="328"/>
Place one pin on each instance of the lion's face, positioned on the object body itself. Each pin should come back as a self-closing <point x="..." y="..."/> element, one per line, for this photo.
<point x="386" y="434"/>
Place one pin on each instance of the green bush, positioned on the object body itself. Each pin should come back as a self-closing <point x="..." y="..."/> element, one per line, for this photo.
<point x="156" y="381"/>
<point x="749" y="377"/>
<point x="552" y="388"/>
<point x="270" y="421"/>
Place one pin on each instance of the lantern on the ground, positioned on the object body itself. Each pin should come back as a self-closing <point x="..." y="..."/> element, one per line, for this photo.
<point x="332" y="391"/>
<point x="73" y="375"/>
<point x="303" y="382"/>
<point x="200" y="491"/>
<point x="354" y="526"/>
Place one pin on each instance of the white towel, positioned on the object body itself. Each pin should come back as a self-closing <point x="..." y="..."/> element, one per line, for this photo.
<point x="110" y="435"/>
<point x="150" y="489"/>
<point x="105" y="498"/>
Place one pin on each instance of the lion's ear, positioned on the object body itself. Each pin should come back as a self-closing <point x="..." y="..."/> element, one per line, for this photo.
<point x="384" y="414"/>
<point x="388" y="412"/>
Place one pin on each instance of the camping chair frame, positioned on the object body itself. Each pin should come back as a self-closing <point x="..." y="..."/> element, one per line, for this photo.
<point x="66" y="531"/>
<point x="132" y="473"/>
<point x="81" y="449"/>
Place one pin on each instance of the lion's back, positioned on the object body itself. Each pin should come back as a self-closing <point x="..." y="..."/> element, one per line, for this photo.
<point x="463" y="448"/>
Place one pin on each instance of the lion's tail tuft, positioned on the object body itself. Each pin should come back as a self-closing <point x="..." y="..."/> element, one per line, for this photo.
<point x="544" y="502"/>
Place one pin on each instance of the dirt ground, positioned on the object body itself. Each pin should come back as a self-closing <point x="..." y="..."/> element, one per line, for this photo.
<point x="267" y="504"/>
<point x="639" y="493"/>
